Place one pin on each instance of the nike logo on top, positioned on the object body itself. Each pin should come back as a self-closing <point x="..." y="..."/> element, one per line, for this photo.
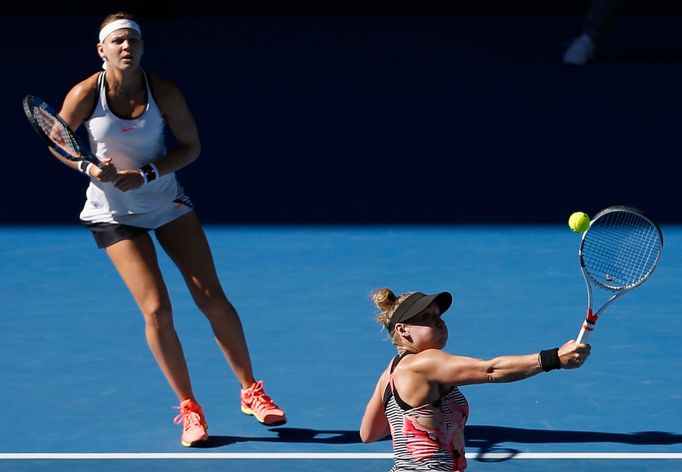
<point x="125" y="130"/>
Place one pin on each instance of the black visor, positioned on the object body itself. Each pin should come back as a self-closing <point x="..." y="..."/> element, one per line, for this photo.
<point x="416" y="303"/>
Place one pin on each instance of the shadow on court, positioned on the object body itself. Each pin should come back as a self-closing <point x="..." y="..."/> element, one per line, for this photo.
<point x="292" y="435"/>
<point x="483" y="438"/>
<point x="488" y="438"/>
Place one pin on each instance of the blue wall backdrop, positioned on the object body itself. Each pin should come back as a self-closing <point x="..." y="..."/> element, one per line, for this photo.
<point x="368" y="113"/>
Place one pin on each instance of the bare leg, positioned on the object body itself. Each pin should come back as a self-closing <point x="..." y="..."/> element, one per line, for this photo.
<point x="136" y="262"/>
<point x="185" y="242"/>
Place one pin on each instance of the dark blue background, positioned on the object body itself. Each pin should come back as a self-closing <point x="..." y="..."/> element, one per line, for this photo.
<point x="365" y="113"/>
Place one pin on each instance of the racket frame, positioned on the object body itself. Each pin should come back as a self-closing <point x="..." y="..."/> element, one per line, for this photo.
<point x="592" y="316"/>
<point x="30" y="102"/>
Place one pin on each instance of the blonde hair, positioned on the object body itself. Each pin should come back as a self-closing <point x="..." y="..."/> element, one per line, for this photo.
<point x="387" y="303"/>
<point x="121" y="15"/>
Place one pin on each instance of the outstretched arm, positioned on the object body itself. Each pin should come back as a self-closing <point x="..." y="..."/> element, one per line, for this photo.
<point x="458" y="370"/>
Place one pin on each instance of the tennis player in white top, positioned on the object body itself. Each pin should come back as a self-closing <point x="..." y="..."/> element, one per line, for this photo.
<point x="126" y="111"/>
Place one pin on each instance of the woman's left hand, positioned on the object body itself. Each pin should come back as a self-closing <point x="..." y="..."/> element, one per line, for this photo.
<point x="129" y="180"/>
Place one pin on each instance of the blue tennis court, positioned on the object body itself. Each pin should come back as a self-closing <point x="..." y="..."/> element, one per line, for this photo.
<point x="82" y="392"/>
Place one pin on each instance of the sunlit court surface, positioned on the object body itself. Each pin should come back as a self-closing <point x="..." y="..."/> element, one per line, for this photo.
<point x="81" y="391"/>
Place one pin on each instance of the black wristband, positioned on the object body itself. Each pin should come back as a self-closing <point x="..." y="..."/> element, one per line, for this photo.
<point x="83" y="167"/>
<point x="149" y="172"/>
<point x="549" y="359"/>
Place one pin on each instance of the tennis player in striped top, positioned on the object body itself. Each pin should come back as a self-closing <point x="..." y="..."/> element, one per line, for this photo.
<point x="417" y="400"/>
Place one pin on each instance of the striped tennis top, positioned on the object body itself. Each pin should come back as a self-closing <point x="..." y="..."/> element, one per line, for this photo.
<point x="427" y="437"/>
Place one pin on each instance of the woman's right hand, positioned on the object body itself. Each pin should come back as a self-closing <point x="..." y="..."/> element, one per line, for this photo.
<point x="106" y="174"/>
<point x="573" y="355"/>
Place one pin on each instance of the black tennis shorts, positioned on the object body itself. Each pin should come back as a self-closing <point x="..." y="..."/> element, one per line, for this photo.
<point x="106" y="234"/>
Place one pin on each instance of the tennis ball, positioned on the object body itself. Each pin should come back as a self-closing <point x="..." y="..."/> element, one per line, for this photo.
<point x="579" y="222"/>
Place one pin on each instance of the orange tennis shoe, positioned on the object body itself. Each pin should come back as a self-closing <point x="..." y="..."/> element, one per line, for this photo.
<point x="256" y="403"/>
<point x="194" y="427"/>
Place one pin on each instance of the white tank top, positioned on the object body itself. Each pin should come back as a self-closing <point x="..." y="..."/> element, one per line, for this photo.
<point x="130" y="143"/>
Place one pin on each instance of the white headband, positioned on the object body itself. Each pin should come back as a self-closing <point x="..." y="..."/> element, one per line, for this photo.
<point x="117" y="25"/>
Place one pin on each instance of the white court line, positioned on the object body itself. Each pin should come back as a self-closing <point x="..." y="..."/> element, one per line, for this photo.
<point x="326" y="455"/>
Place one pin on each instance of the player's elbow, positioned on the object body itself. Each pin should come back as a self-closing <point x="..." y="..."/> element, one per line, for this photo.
<point x="370" y="434"/>
<point x="497" y="377"/>
<point x="368" y="437"/>
<point x="497" y="373"/>
<point x="190" y="151"/>
<point x="492" y="372"/>
<point x="195" y="151"/>
<point x="365" y="435"/>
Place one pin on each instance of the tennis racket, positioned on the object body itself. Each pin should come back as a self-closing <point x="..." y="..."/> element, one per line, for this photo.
<point x="53" y="129"/>
<point x="618" y="252"/>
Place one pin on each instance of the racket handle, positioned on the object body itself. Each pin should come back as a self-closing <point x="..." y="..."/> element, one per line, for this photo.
<point x="588" y="325"/>
<point x="94" y="160"/>
<point x="583" y="335"/>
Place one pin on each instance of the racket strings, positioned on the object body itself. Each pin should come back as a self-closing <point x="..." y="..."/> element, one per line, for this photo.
<point x="56" y="131"/>
<point x="621" y="249"/>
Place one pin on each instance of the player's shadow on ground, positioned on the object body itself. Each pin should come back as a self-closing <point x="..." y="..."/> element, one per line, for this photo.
<point x="484" y="439"/>
<point x="487" y="439"/>
<point x="291" y="435"/>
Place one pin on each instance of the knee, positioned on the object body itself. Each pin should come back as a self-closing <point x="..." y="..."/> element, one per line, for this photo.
<point x="158" y="316"/>
<point x="213" y="302"/>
